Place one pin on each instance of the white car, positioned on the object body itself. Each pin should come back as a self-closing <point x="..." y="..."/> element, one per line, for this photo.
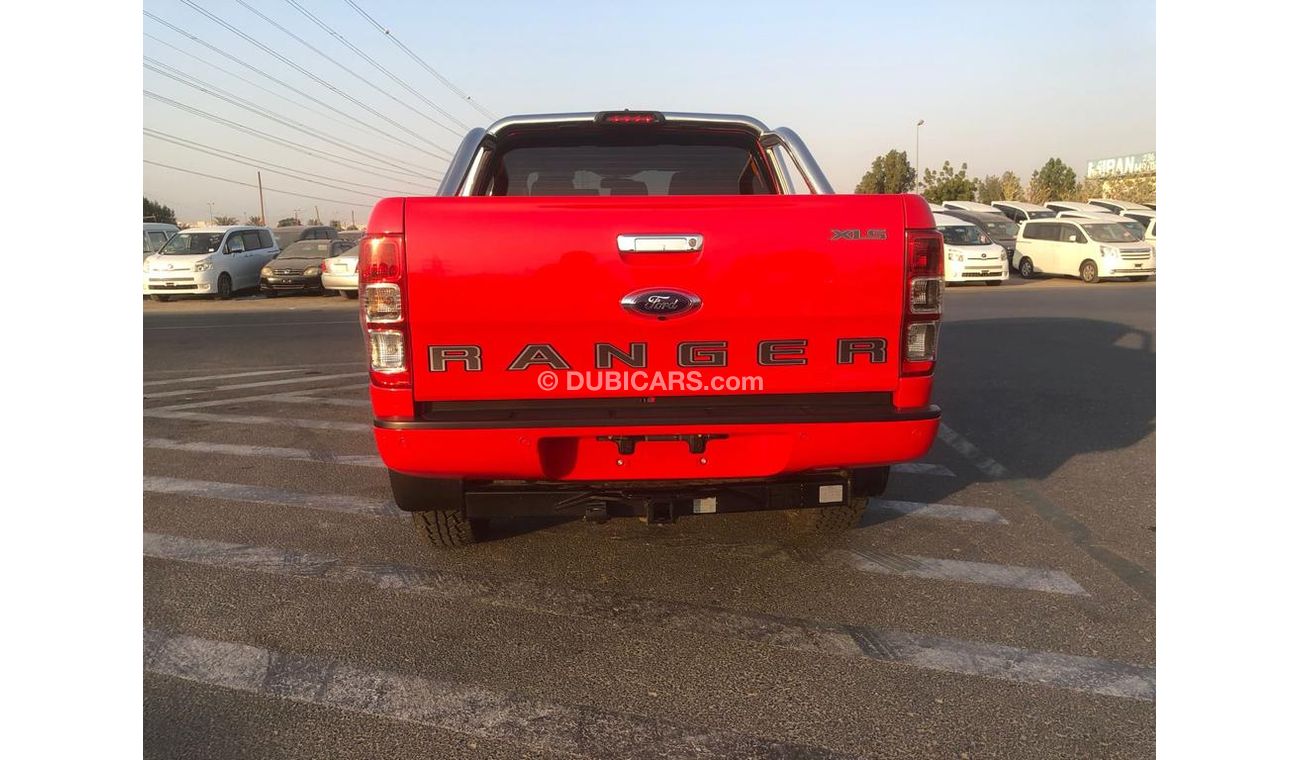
<point x="156" y="235"/>
<point x="937" y="209"/>
<point x="1059" y="206"/>
<point x="982" y="208"/>
<point x="1118" y="207"/>
<point x="1092" y="250"/>
<point x="340" y="273"/>
<point x="1137" y="228"/>
<point x="971" y="254"/>
<point x="210" y="261"/>
<point x="1021" y="212"/>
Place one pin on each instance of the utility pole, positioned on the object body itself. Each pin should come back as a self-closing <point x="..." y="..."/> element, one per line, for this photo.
<point x="354" y="217"/>
<point x="296" y="220"/>
<point x="261" y="200"/>
<point x="919" y="123"/>
<point x="211" y="219"/>
<point x="317" y="213"/>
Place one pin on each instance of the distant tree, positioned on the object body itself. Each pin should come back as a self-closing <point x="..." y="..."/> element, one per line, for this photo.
<point x="890" y="173"/>
<point x="157" y="212"/>
<point x="256" y="221"/>
<point x="289" y="221"/>
<point x="1054" y="182"/>
<point x="989" y="189"/>
<point x="1011" y="189"/>
<point x="336" y="224"/>
<point x="313" y="221"/>
<point x="353" y="227"/>
<point x="947" y="185"/>
<point x="225" y="220"/>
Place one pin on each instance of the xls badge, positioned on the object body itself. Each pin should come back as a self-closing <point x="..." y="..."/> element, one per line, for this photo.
<point x="870" y="234"/>
<point x="660" y="303"/>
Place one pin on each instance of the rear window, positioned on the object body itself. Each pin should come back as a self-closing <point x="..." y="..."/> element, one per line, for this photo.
<point x="608" y="161"/>
<point x="1041" y="214"/>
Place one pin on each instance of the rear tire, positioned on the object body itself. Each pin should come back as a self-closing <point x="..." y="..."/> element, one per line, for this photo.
<point x="351" y="294"/>
<point x="447" y="528"/>
<point x="1026" y="268"/>
<point x="225" y="289"/>
<point x="829" y="520"/>
<point x="1088" y="272"/>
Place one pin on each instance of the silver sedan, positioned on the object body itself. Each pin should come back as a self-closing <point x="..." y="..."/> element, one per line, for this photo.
<point x="340" y="273"/>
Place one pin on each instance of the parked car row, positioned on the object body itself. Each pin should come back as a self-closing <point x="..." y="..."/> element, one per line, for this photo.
<point x="1118" y="238"/>
<point x="222" y="260"/>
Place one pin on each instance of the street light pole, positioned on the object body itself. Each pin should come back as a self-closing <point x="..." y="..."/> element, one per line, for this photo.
<point x="919" y="123"/>
<point x="211" y="219"/>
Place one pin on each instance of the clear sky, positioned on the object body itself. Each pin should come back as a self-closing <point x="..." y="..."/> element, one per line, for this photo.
<point x="1001" y="85"/>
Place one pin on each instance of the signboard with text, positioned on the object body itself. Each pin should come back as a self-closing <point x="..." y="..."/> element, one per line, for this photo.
<point x="1120" y="166"/>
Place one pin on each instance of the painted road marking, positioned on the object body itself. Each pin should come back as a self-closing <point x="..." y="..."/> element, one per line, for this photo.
<point x="252" y="324"/>
<point x="251" y="419"/>
<point x="860" y="559"/>
<point x="540" y="727"/>
<point x="1131" y="573"/>
<point x="293" y="368"/>
<point x="295" y="398"/>
<point x="956" y="656"/>
<point x="263" y="452"/>
<point x="961" y="571"/>
<point x="231" y="376"/>
<point x="936" y="511"/>
<point x="232" y="400"/>
<point x="923" y="468"/>
<point x="260" y="384"/>
<point x="262" y="495"/>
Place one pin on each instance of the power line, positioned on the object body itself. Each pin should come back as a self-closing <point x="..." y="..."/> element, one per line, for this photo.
<point x="396" y="164"/>
<point x="334" y="61"/>
<point x="249" y="184"/>
<point x="357" y="121"/>
<point x="263" y="168"/>
<point x="349" y="123"/>
<point x="311" y="17"/>
<point x="313" y="152"/>
<point x="261" y="164"/>
<point x="387" y="33"/>
<point x="309" y="75"/>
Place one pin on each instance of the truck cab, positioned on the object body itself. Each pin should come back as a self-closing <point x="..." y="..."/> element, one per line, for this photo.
<point x="647" y="313"/>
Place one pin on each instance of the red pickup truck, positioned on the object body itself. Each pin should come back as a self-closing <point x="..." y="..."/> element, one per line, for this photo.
<point x="646" y="313"/>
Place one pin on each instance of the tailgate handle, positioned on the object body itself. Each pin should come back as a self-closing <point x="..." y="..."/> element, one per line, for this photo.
<point x="685" y="242"/>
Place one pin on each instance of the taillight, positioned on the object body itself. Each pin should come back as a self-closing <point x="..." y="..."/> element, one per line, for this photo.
<point x="923" y="300"/>
<point x="381" y="278"/>
<point x="630" y="117"/>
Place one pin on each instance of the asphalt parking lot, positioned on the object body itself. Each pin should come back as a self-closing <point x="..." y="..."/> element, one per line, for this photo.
<point x="998" y="601"/>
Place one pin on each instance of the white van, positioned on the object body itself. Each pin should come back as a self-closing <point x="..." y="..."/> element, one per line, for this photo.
<point x="156" y="235"/>
<point x="1021" y="212"/>
<point x="1137" y="228"/>
<point x="209" y="261"/>
<point x="971" y="254"/>
<point x="1092" y="250"/>
<point x="982" y="208"/>
<point x="1117" y="207"/>
<point x="1059" y="206"/>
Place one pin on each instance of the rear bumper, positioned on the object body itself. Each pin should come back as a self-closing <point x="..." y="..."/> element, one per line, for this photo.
<point x="702" y="450"/>
<point x="338" y="281"/>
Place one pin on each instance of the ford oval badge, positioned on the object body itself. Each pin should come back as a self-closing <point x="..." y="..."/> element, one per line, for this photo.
<point x="661" y="303"/>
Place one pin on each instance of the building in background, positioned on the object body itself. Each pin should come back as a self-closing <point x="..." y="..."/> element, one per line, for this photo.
<point x="1126" y="178"/>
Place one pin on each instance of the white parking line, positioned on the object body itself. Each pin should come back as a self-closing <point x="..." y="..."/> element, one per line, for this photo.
<point x="860" y="559"/>
<point x="937" y="511"/>
<point x="232" y="400"/>
<point x="286" y="368"/>
<point x="936" y="653"/>
<point x="295" y="398"/>
<point x="534" y="727"/>
<point x="251" y="419"/>
<point x="257" y="325"/>
<point x="923" y="468"/>
<point x="262" y="495"/>
<point x="262" y="452"/>
<point x="961" y="571"/>
<point x="260" y="384"/>
<point x="231" y="376"/>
